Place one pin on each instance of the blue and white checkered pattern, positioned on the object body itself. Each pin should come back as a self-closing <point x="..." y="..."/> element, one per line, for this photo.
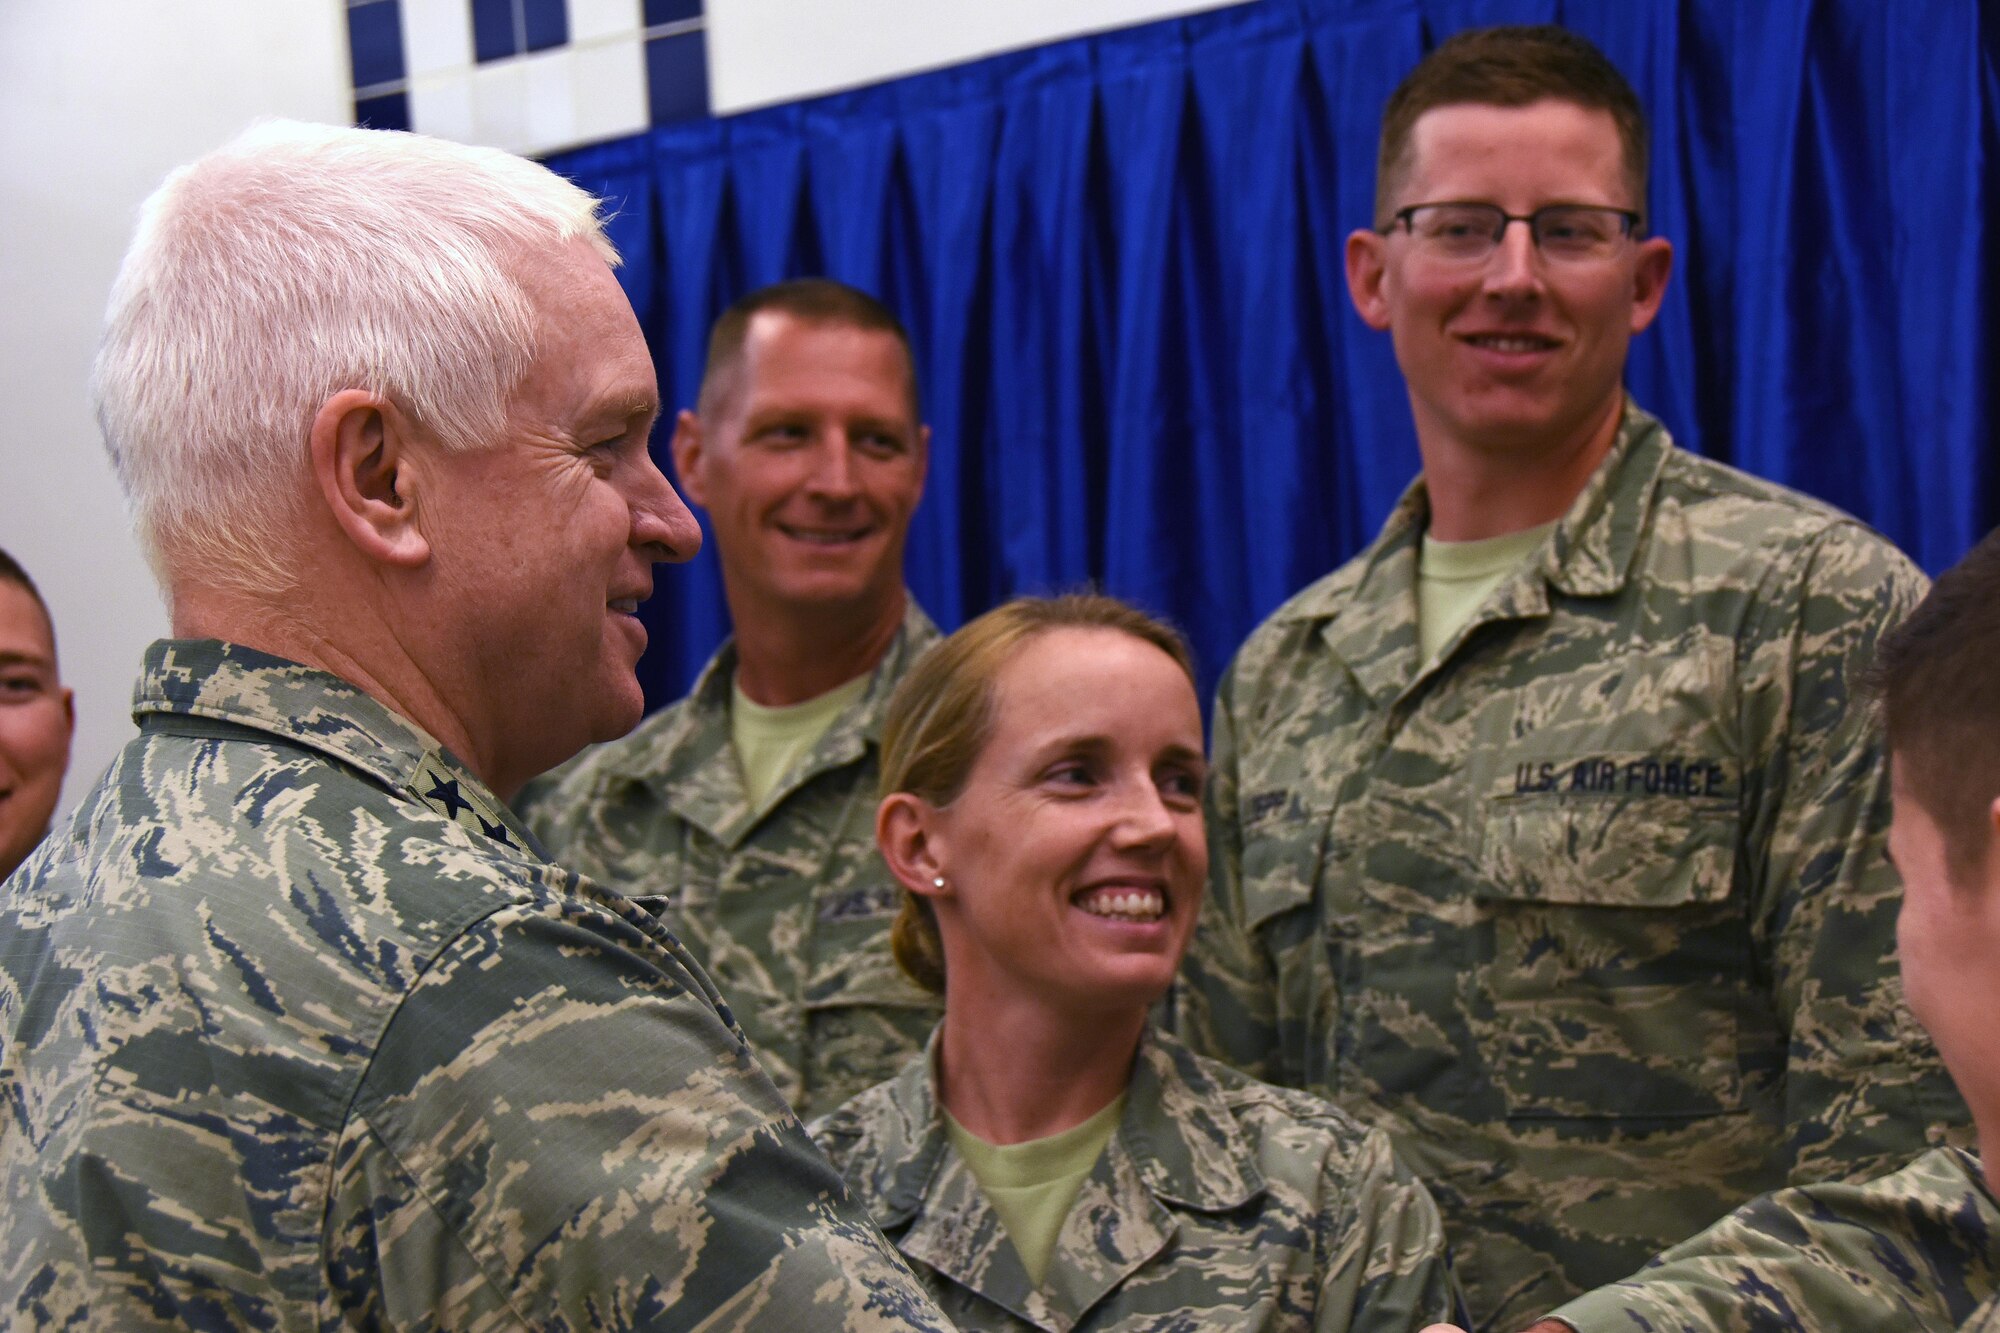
<point x="531" y="76"/>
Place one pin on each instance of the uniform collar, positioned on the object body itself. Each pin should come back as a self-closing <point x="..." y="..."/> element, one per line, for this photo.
<point x="1368" y="610"/>
<point x="683" y="762"/>
<point x="1178" y="1143"/>
<point x="186" y="683"/>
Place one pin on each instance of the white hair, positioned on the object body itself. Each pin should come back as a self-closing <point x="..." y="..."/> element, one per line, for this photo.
<point x="292" y="263"/>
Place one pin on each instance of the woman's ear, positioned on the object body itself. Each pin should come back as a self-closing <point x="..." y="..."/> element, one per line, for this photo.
<point x="906" y="829"/>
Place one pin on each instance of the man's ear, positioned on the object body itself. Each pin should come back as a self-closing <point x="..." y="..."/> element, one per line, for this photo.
<point x="1366" y="268"/>
<point x="906" y="831"/>
<point x="1649" y="280"/>
<point x="687" y="449"/>
<point x="360" y="445"/>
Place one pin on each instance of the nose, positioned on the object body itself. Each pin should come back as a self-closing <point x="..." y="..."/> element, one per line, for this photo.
<point x="833" y="467"/>
<point x="1515" y="266"/>
<point x="662" y="528"/>
<point x="1145" y="820"/>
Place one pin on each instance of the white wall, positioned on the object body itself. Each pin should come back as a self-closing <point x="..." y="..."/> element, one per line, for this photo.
<point x="766" y="51"/>
<point x="98" y="100"/>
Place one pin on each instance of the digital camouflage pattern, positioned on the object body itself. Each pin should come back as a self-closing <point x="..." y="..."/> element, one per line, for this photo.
<point x="788" y="903"/>
<point x="1915" y="1252"/>
<point x="1593" y="912"/>
<point x="296" y="1033"/>
<point x="1219" y="1204"/>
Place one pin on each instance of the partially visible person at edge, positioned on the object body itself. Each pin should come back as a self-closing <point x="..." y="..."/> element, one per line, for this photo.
<point x="1051" y="1162"/>
<point x="1545" y="837"/>
<point x="741" y="813"/>
<point x="299" y="1030"/>
<point x="1917" y="1251"/>
<point x="37" y="717"/>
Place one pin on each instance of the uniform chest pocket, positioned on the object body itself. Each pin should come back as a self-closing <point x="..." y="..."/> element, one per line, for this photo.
<point x="1614" y="954"/>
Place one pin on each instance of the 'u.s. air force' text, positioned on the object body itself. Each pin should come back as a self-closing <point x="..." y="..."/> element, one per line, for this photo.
<point x="1651" y="776"/>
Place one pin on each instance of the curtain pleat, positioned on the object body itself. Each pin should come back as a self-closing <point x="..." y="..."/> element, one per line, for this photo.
<point x="1121" y="259"/>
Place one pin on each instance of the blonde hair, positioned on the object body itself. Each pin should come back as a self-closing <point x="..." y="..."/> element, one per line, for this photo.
<point x="294" y="262"/>
<point x="942" y="714"/>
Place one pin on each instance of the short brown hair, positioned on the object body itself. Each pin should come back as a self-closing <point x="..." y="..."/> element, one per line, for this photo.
<point x="11" y="572"/>
<point x="1510" y="66"/>
<point x="813" y="300"/>
<point x="941" y="717"/>
<point x="1940" y="695"/>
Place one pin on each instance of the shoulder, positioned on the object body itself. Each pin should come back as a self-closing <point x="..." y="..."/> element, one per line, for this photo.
<point x="1208" y="1112"/>
<point x="876" y="1126"/>
<point x="1729" y="521"/>
<point x="1290" y="1126"/>
<point x="1272" y="652"/>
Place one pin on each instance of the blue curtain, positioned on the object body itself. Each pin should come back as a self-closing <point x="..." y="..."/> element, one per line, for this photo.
<point x="1120" y="261"/>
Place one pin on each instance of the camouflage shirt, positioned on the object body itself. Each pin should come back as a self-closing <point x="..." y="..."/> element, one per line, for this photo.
<point x="1219" y="1204"/>
<point x="297" y="1033"/>
<point x="788" y="903"/>
<point x="1592" y="912"/>
<point x="1915" y="1252"/>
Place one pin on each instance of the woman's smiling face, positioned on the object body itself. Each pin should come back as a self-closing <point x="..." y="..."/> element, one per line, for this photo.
<point x="1075" y="853"/>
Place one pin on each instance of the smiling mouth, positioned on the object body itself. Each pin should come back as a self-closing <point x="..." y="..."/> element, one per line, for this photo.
<point x="1123" y="904"/>
<point x="825" y="536"/>
<point x="1512" y="342"/>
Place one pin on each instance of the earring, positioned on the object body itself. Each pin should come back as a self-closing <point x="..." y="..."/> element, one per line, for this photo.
<point x="937" y="881"/>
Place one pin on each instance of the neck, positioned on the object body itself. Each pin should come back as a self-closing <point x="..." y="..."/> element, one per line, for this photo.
<point x="788" y="658"/>
<point x="1011" y="1072"/>
<point x="376" y="665"/>
<point x="1476" y="493"/>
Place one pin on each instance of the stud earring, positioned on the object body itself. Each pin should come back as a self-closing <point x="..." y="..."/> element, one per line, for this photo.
<point x="937" y="881"/>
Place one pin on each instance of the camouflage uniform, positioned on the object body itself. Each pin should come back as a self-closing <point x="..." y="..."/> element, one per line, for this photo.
<point x="1220" y="1203"/>
<point x="1915" y="1252"/>
<point x="788" y="904"/>
<point x="1592" y="913"/>
<point x="295" y="1032"/>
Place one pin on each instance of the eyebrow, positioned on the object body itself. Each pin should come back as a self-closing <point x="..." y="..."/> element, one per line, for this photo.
<point x="10" y="657"/>
<point x="622" y="410"/>
<point x="1100" y="741"/>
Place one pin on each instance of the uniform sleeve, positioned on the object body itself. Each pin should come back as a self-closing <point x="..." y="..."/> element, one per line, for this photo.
<point x="1862" y="1081"/>
<point x="559" y="1131"/>
<point x="1387" y="1271"/>
<point x="1907" y="1252"/>
<point x="1225" y="1002"/>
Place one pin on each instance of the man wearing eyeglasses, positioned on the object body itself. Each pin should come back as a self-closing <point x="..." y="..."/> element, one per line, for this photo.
<point x="1544" y="835"/>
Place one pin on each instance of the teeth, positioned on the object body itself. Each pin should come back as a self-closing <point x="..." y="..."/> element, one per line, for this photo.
<point x="1125" y="904"/>
<point x="823" y="538"/>
<point x="629" y="605"/>
<point x="1506" y="344"/>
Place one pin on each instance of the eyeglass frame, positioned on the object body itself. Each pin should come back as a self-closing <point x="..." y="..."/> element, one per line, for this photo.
<point x="1633" y="222"/>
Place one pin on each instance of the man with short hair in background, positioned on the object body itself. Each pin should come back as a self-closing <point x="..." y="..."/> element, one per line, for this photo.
<point x="37" y="717"/>
<point x="745" y="812"/>
<point x="1916" y="1251"/>
<point x="299" y="1029"/>
<point x="1543" y="834"/>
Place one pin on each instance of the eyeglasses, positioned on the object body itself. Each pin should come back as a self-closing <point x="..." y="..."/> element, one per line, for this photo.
<point x="1565" y="233"/>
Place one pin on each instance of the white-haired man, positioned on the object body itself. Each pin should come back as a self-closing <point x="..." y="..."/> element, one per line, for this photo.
<point x="298" y="1028"/>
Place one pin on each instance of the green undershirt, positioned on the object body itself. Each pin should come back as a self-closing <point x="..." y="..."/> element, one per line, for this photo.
<point x="1032" y="1185"/>
<point x="1453" y="578"/>
<point x="769" y="741"/>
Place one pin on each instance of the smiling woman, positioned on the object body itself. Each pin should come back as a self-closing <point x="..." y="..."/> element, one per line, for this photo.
<point x="1051" y="1162"/>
